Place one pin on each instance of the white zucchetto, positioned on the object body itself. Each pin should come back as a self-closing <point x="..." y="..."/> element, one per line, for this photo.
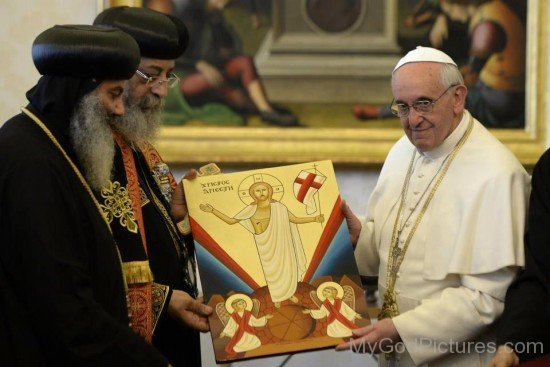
<point x="424" y="54"/>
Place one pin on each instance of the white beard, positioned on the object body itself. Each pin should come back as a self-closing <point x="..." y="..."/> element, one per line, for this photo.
<point x="92" y="137"/>
<point x="141" y="120"/>
<point x="93" y="142"/>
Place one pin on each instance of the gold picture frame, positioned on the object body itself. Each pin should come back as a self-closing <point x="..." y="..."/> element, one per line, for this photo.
<point x="362" y="147"/>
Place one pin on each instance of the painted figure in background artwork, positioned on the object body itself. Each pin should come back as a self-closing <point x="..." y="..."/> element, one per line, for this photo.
<point x="493" y="67"/>
<point x="495" y="72"/>
<point x="215" y="67"/>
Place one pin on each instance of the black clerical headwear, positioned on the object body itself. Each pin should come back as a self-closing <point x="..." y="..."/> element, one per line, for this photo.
<point x="159" y="36"/>
<point x="85" y="51"/>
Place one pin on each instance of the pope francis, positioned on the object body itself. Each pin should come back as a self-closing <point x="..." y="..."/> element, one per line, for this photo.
<point x="444" y="226"/>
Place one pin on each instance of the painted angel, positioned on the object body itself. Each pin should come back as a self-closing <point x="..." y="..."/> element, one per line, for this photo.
<point x="238" y="316"/>
<point x="337" y="304"/>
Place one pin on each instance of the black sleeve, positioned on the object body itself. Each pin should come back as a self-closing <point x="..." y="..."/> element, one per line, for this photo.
<point x="539" y="221"/>
<point x="48" y="292"/>
<point x="527" y="308"/>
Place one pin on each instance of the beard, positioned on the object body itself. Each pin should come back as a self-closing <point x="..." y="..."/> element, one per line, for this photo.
<point x="141" y="120"/>
<point x="92" y="140"/>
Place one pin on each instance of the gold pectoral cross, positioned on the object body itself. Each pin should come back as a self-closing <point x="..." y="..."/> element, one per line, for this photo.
<point x="394" y="259"/>
<point x="118" y="204"/>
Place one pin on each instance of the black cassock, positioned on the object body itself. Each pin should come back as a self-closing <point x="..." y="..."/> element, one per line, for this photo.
<point x="526" y="316"/>
<point x="62" y="298"/>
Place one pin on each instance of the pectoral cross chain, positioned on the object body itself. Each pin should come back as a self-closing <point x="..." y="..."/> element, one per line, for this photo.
<point x="394" y="258"/>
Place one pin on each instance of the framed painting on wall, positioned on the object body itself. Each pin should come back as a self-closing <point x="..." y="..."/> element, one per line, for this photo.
<point x="318" y="70"/>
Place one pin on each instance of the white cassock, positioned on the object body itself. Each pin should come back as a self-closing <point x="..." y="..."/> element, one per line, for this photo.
<point x="336" y="329"/>
<point x="280" y="249"/>
<point x="463" y="255"/>
<point x="248" y="341"/>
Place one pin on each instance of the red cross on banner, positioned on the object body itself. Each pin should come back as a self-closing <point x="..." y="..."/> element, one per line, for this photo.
<point x="306" y="186"/>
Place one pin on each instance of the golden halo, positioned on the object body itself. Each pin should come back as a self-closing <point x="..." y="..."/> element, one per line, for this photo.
<point x="244" y="186"/>
<point x="235" y="296"/>
<point x="322" y="286"/>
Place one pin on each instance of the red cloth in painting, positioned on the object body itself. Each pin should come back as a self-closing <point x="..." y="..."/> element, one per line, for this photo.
<point x="238" y="72"/>
<point x="334" y="313"/>
<point x="243" y="327"/>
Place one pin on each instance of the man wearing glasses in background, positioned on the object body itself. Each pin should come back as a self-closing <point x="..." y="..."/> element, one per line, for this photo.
<point x="143" y="202"/>
<point x="444" y="227"/>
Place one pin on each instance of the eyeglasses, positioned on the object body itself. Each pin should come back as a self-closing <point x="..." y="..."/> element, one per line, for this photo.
<point x="171" y="81"/>
<point x="422" y="107"/>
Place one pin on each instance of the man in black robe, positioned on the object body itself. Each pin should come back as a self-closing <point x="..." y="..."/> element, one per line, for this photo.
<point x="143" y="202"/>
<point x="523" y="332"/>
<point x="62" y="298"/>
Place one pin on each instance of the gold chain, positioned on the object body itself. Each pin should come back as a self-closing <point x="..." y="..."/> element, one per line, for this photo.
<point x="78" y="174"/>
<point x="396" y="255"/>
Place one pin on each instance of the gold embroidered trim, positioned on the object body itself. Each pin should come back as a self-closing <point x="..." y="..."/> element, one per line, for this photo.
<point x="78" y="174"/>
<point x="144" y="199"/>
<point x="159" y="297"/>
<point x="160" y="173"/>
<point x="139" y="310"/>
<point x="137" y="272"/>
<point x="118" y="204"/>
